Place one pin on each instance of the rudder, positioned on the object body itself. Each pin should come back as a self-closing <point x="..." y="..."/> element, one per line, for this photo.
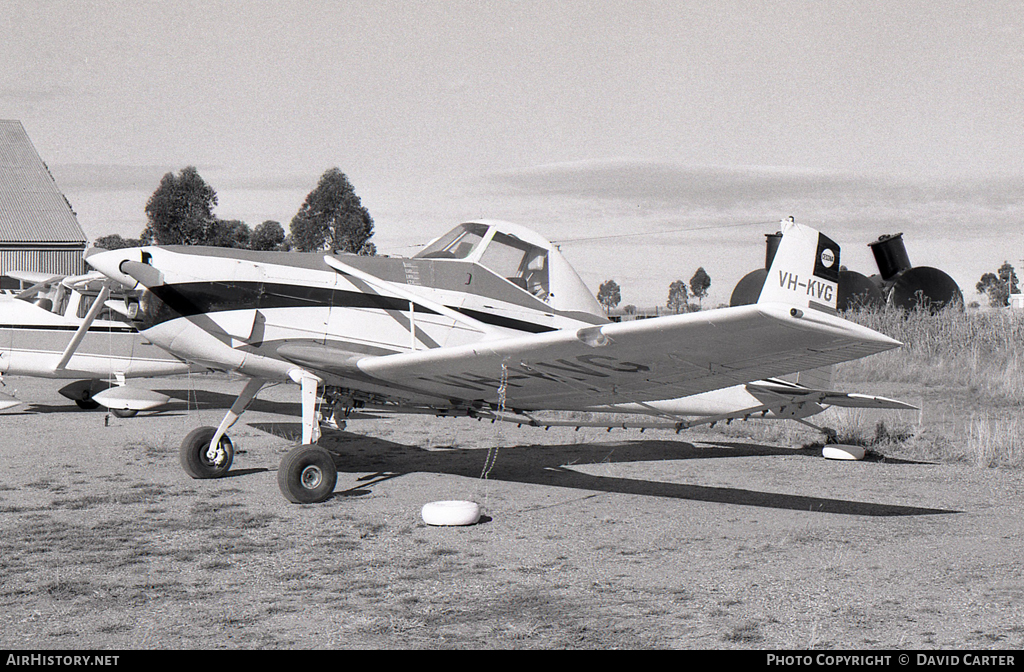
<point x="805" y="270"/>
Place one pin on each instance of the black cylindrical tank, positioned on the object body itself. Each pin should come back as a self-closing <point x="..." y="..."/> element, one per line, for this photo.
<point x="857" y="291"/>
<point x="748" y="289"/>
<point x="924" y="287"/>
<point x="890" y="255"/>
<point x="771" y="246"/>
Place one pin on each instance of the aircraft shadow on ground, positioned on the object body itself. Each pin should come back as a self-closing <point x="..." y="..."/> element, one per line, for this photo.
<point x="182" y="401"/>
<point x="535" y="464"/>
<point x="552" y="465"/>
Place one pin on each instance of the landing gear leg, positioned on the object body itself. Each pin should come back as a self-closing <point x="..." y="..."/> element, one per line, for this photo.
<point x="307" y="474"/>
<point x="195" y="454"/>
<point x="310" y="423"/>
<point x="208" y="452"/>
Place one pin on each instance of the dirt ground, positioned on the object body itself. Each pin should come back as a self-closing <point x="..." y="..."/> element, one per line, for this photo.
<point x="590" y="539"/>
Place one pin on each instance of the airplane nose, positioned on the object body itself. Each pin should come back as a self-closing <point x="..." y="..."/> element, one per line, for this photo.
<point x="109" y="264"/>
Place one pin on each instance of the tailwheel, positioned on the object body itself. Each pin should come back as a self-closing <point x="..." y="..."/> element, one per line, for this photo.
<point x="196" y="457"/>
<point x="307" y="474"/>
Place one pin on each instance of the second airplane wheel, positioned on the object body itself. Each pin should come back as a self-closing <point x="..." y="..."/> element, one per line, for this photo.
<point x="307" y="475"/>
<point x="194" y="458"/>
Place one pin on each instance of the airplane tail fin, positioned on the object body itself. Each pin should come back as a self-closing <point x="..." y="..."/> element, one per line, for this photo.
<point x="805" y="270"/>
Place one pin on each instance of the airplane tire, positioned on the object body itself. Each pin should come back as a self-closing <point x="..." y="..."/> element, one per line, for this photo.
<point x="193" y="454"/>
<point x="87" y="404"/>
<point x="124" y="412"/>
<point x="307" y="475"/>
<point x="451" y="512"/>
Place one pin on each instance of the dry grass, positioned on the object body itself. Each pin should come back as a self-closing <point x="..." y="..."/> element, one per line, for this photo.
<point x="978" y="351"/>
<point x="965" y="367"/>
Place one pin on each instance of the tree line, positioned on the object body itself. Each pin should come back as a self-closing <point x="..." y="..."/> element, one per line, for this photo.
<point x="999" y="285"/>
<point x="180" y="212"/>
<point x="609" y="294"/>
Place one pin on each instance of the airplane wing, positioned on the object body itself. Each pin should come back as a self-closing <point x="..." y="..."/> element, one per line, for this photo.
<point x="768" y="390"/>
<point x="32" y="277"/>
<point x="642" y="360"/>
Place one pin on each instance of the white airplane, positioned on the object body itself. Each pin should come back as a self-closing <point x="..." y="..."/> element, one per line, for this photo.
<point x="488" y="321"/>
<point x="74" y="327"/>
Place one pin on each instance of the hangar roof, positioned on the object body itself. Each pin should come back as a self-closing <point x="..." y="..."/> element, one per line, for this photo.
<point x="32" y="208"/>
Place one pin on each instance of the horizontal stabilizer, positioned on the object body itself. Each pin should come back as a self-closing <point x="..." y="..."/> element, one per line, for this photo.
<point x="765" y="389"/>
<point x="854" y="400"/>
<point x="7" y="401"/>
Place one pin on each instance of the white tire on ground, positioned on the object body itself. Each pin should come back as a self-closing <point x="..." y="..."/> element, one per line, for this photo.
<point x="451" y="512"/>
<point x="840" y="451"/>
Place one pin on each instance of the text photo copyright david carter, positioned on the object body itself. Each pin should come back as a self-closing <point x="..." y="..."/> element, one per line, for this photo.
<point x="915" y="659"/>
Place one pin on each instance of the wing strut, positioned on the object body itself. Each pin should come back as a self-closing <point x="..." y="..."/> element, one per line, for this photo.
<point x="90" y="317"/>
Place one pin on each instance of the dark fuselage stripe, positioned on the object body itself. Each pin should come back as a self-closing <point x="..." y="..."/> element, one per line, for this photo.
<point x="69" y="327"/>
<point x="194" y="298"/>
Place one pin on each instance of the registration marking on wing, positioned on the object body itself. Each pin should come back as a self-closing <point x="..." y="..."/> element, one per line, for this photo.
<point x="585" y="368"/>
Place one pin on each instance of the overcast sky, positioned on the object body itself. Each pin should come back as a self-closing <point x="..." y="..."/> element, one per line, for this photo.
<point x="575" y="118"/>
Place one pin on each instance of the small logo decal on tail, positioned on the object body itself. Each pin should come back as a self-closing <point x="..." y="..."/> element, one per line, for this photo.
<point x="827" y="265"/>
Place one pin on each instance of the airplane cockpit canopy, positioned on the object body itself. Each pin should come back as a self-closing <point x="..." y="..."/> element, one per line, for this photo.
<point x="520" y="256"/>
<point x="71" y="296"/>
<point x="51" y="296"/>
<point x="521" y="263"/>
<point x="458" y="243"/>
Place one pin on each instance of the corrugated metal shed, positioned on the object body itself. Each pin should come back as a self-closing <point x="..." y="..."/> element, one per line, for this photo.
<point x="38" y="230"/>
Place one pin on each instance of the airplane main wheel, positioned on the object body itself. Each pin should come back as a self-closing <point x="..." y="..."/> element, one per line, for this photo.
<point x="307" y="475"/>
<point x="194" y="458"/>
<point x="128" y="413"/>
<point x="87" y="404"/>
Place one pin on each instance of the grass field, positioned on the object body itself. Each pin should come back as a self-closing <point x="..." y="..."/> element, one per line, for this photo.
<point x="963" y="368"/>
<point x="591" y="539"/>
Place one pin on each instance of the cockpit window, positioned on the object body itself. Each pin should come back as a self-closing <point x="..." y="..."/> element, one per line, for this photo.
<point x="52" y="297"/>
<point x="458" y="243"/>
<point x="521" y="263"/>
<point x="86" y="302"/>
